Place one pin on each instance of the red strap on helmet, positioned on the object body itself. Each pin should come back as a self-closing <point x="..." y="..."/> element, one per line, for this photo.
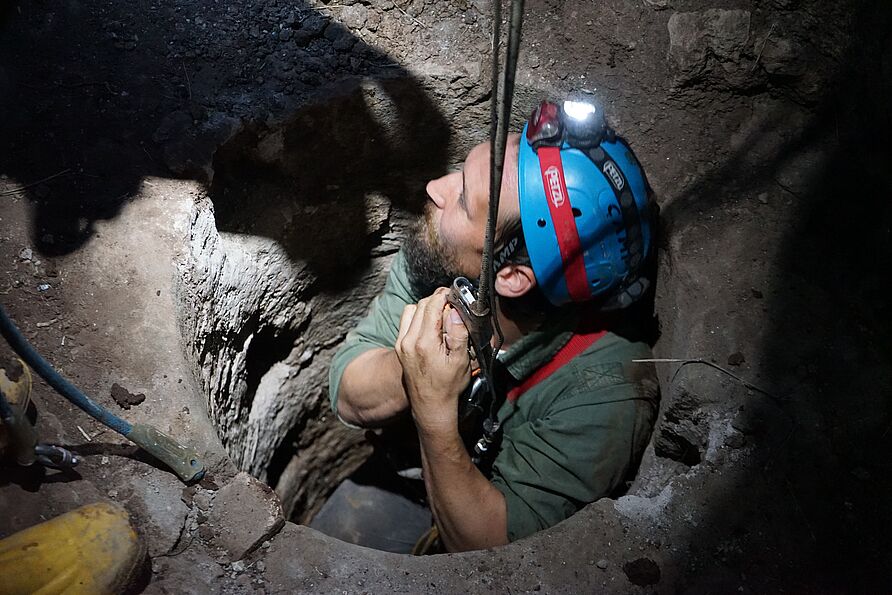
<point x="564" y="223"/>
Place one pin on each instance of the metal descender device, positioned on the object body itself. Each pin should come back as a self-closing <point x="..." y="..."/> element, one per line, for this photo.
<point x="482" y="398"/>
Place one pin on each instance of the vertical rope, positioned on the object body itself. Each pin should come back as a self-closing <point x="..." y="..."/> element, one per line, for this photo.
<point x="486" y="278"/>
<point x="500" y="114"/>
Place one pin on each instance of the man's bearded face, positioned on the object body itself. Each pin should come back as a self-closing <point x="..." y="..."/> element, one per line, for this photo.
<point x="432" y="262"/>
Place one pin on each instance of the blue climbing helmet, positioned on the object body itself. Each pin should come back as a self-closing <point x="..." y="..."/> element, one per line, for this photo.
<point x="584" y="207"/>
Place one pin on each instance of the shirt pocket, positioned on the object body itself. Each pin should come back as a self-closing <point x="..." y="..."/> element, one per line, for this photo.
<point x="594" y="376"/>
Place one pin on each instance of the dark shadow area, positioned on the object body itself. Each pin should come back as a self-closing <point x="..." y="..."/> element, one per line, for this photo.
<point x="268" y="347"/>
<point x="311" y="190"/>
<point x="811" y="507"/>
<point x="32" y="477"/>
<point x="96" y="97"/>
<point x="383" y="504"/>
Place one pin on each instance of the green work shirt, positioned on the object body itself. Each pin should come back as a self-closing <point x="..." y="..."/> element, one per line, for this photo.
<point x="571" y="439"/>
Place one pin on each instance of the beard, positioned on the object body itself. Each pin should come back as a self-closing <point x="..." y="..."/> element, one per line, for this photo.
<point x="431" y="262"/>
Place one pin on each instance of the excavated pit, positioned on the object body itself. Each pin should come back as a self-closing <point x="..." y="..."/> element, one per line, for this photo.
<point x="287" y="249"/>
<point x="305" y="211"/>
<point x="306" y="131"/>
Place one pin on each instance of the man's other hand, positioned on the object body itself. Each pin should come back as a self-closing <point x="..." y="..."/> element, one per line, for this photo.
<point x="432" y="349"/>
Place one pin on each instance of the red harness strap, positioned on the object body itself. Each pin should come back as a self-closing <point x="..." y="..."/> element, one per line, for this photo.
<point x="578" y="343"/>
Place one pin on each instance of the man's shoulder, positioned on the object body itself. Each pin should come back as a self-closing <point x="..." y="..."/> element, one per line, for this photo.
<point x="607" y="371"/>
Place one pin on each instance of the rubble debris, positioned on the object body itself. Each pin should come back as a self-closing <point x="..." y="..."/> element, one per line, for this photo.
<point x="246" y="513"/>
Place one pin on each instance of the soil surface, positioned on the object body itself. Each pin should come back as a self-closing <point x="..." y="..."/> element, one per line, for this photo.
<point x="182" y="180"/>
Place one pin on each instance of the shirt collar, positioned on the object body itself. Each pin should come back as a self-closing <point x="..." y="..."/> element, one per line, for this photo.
<point x="534" y="349"/>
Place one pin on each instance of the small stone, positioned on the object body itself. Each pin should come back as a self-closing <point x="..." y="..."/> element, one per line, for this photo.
<point x="188" y="495"/>
<point x="260" y="566"/>
<point x="113" y="493"/>
<point x="736" y="358"/>
<point x="43" y="287"/>
<point x="763" y="198"/>
<point x="202" y="499"/>
<point x="125" y="398"/>
<point x="238" y="566"/>
<point x="354" y="16"/>
<point x="206" y="533"/>
<point x="246" y="512"/>
<point x="602" y="564"/>
<point x="103" y="460"/>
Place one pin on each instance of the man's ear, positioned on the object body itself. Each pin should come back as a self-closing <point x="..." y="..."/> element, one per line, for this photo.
<point x="514" y="280"/>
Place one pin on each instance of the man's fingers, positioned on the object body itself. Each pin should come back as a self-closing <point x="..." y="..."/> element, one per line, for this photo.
<point x="433" y="312"/>
<point x="422" y="322"/>
<point x="424" y="329"/>
<point x="405" y="322"/>
<point x="456" y="333"/>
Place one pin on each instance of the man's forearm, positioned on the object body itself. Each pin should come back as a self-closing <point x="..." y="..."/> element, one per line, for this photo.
<point x="469" y="511"/>
<point x="371" y="392"/>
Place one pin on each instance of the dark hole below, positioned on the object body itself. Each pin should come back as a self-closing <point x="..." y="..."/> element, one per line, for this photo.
<point x="382" y="505"/>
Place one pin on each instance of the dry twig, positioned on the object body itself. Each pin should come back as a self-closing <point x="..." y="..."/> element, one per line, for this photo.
<point x="397" y="6"/>
<point x="87" y="436"/>
<point x="764" y="43"/>
<point x="188" y="82"/>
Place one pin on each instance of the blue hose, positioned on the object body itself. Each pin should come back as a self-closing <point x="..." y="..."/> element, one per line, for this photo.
<point x="21" y="346"/>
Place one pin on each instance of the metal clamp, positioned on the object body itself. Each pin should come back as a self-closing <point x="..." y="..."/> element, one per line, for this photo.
<point x="50" y="455"/>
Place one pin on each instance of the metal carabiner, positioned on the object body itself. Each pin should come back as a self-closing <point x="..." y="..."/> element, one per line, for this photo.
<point x="55" y="457"/>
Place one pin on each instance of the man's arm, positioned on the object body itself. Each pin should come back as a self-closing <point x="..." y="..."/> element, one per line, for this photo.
<point x="371" y="391"/>
<point x="470" y="512"/>
<point x="365" y="376"/>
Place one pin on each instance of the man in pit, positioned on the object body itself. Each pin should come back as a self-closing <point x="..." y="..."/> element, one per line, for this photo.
<point x="574" y="245"/>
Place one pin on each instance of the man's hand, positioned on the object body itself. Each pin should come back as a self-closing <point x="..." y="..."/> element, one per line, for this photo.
<point x="432" y="349"/>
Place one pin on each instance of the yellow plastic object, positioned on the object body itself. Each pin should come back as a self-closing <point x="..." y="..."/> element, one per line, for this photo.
<point x="92" y="549"/>
<point x="17" y="436"/>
